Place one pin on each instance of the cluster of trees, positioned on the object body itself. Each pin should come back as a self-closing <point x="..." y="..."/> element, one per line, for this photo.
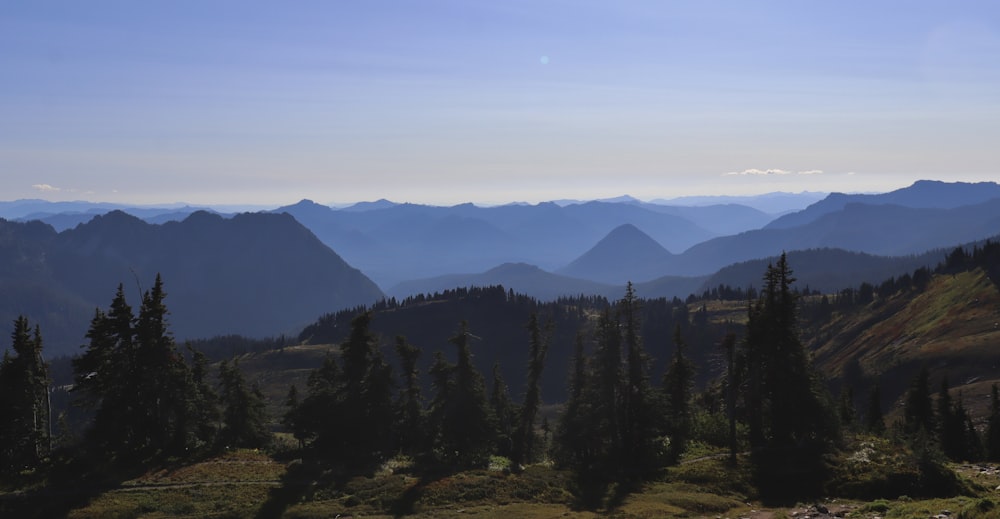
<point x="358" y="414"/>
<point x="944" y="424"/>
<point x="147" y="400"/>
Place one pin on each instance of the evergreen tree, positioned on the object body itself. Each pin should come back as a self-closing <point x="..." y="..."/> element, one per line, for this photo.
<point x="641" y="403"/>
<point x="874" y="421"/>
<point x="524" y="445"/>
<point x="206" y="400"/>
<point x="678" y="385"/>
<point x="366" y="403"/>
<point x="348" y="412"/>
<point x="951" y="424"/>
<point x="244" y="418"/>
<point x="792" y="421"/>
<point x="143" y="393"/>
<point x="918" y="410"/>
<point x="505" y="412"/>
<point x="25" y="429"/>
<point x="409" y="420"/>
<point x="993" y="426"/>
<point x="574" y="444"/>
<point x="465" y="426"/>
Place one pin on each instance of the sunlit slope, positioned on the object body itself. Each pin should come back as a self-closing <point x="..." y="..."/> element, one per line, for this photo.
<point x="952" y="327"/>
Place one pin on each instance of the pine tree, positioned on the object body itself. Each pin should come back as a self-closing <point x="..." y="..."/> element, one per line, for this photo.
<point x="641" y="403"/>
<point x="144" y="395"/>
<point x="410" y="420"/>
<point x="918" y="410"/>
<point x="792" y="421"/>
<point x="573" y="444"/>
<point x="465" y="426"/>
<point x="25" y="429"/>
<point x="993" y="426"/>
<point x="244" y="418"/>
<point x="874" y="421"/>
<point x="678" y="386"/>
<point x="524" y="445"/>
<point x="366" y="405"/>
<point x="505" y="412"/>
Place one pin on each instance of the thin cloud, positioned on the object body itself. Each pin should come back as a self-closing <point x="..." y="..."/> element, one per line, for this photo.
<point x="759" y="172"/>
<point x="772" y="172"/>
<point x="46" y="187"/>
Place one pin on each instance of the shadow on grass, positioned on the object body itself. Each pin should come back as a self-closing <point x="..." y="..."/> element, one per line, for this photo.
<point x="65" y="484"/>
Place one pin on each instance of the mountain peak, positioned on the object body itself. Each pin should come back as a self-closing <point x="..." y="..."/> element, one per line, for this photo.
<point x="624" y="254"/>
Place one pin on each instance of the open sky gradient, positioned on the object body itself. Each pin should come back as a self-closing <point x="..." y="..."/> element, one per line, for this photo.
<point x="435" y="101"/>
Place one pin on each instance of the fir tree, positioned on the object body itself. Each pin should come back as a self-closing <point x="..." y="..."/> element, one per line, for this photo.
<point x="244" y="419"/>
<point x="993" y="426"/>
<point x="524" y="445"/>
<point x="505" y="412"/>
<point x="410" y="419"/>
<point x="25" y="429"/>
<point x="874" y="421"/>
<point x="465" y="426"/>
<point x="792" y="421"/>
<point x="678" y="386"/>
<point x="918" y="410"/>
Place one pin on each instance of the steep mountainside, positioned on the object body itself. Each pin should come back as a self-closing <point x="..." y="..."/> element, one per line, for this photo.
<point x="951" y="328"/>
<point x="253" y="274"/>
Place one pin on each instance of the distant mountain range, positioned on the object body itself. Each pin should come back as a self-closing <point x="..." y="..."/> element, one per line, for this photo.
<point x="253" y="274"/>
<point x="265" y="273"/>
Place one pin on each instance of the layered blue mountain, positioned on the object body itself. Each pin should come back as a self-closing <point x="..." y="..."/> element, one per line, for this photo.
<point x="625" y="254"/>
<point x="399" y="242"/>
<point x="923" y="194"/>
<point x="255" y="274"/>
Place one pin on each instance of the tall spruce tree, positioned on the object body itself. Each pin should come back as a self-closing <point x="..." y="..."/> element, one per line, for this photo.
<point x="244" y="417"/>
<point x="524" y="444"/>
<point x="505" y="411"/>
<point x="465" y="426"/>
<point x="678" y="386"/>
<point x="792" y="421"/>
<point x="25" y="418"/>
<point x="993" y="426"/>
<point x="410" y="421"/>
<point x="874" y="420"/>
<point x="918" y="408"/>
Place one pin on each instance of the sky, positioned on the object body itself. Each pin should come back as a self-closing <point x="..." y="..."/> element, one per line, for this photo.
<point x="443" y="102"/>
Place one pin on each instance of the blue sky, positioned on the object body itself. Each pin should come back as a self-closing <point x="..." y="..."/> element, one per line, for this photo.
<point x="451" y="101"/>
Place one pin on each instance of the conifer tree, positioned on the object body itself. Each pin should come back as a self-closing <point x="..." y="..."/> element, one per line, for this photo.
<point x="874" y="421"/>
<point x="792" y="421"/>
<point x="410" y="421"/>
<point x="524" y="445"/>
<point x="25" y="429"/>
<point x="141" y="389"/>
<point x="244" y="419"/>
<point x="641" y="404"/>
<point x="505" y="412"/>
<point x="918" y="410"/>
<point x="574" y="443"/>
<point x="678" y="386"/>
<point x="465" y="426"/>
<point x="993" y="426"/>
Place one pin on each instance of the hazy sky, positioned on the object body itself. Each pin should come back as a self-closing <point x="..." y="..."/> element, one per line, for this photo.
<point x="491" y="101"/>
